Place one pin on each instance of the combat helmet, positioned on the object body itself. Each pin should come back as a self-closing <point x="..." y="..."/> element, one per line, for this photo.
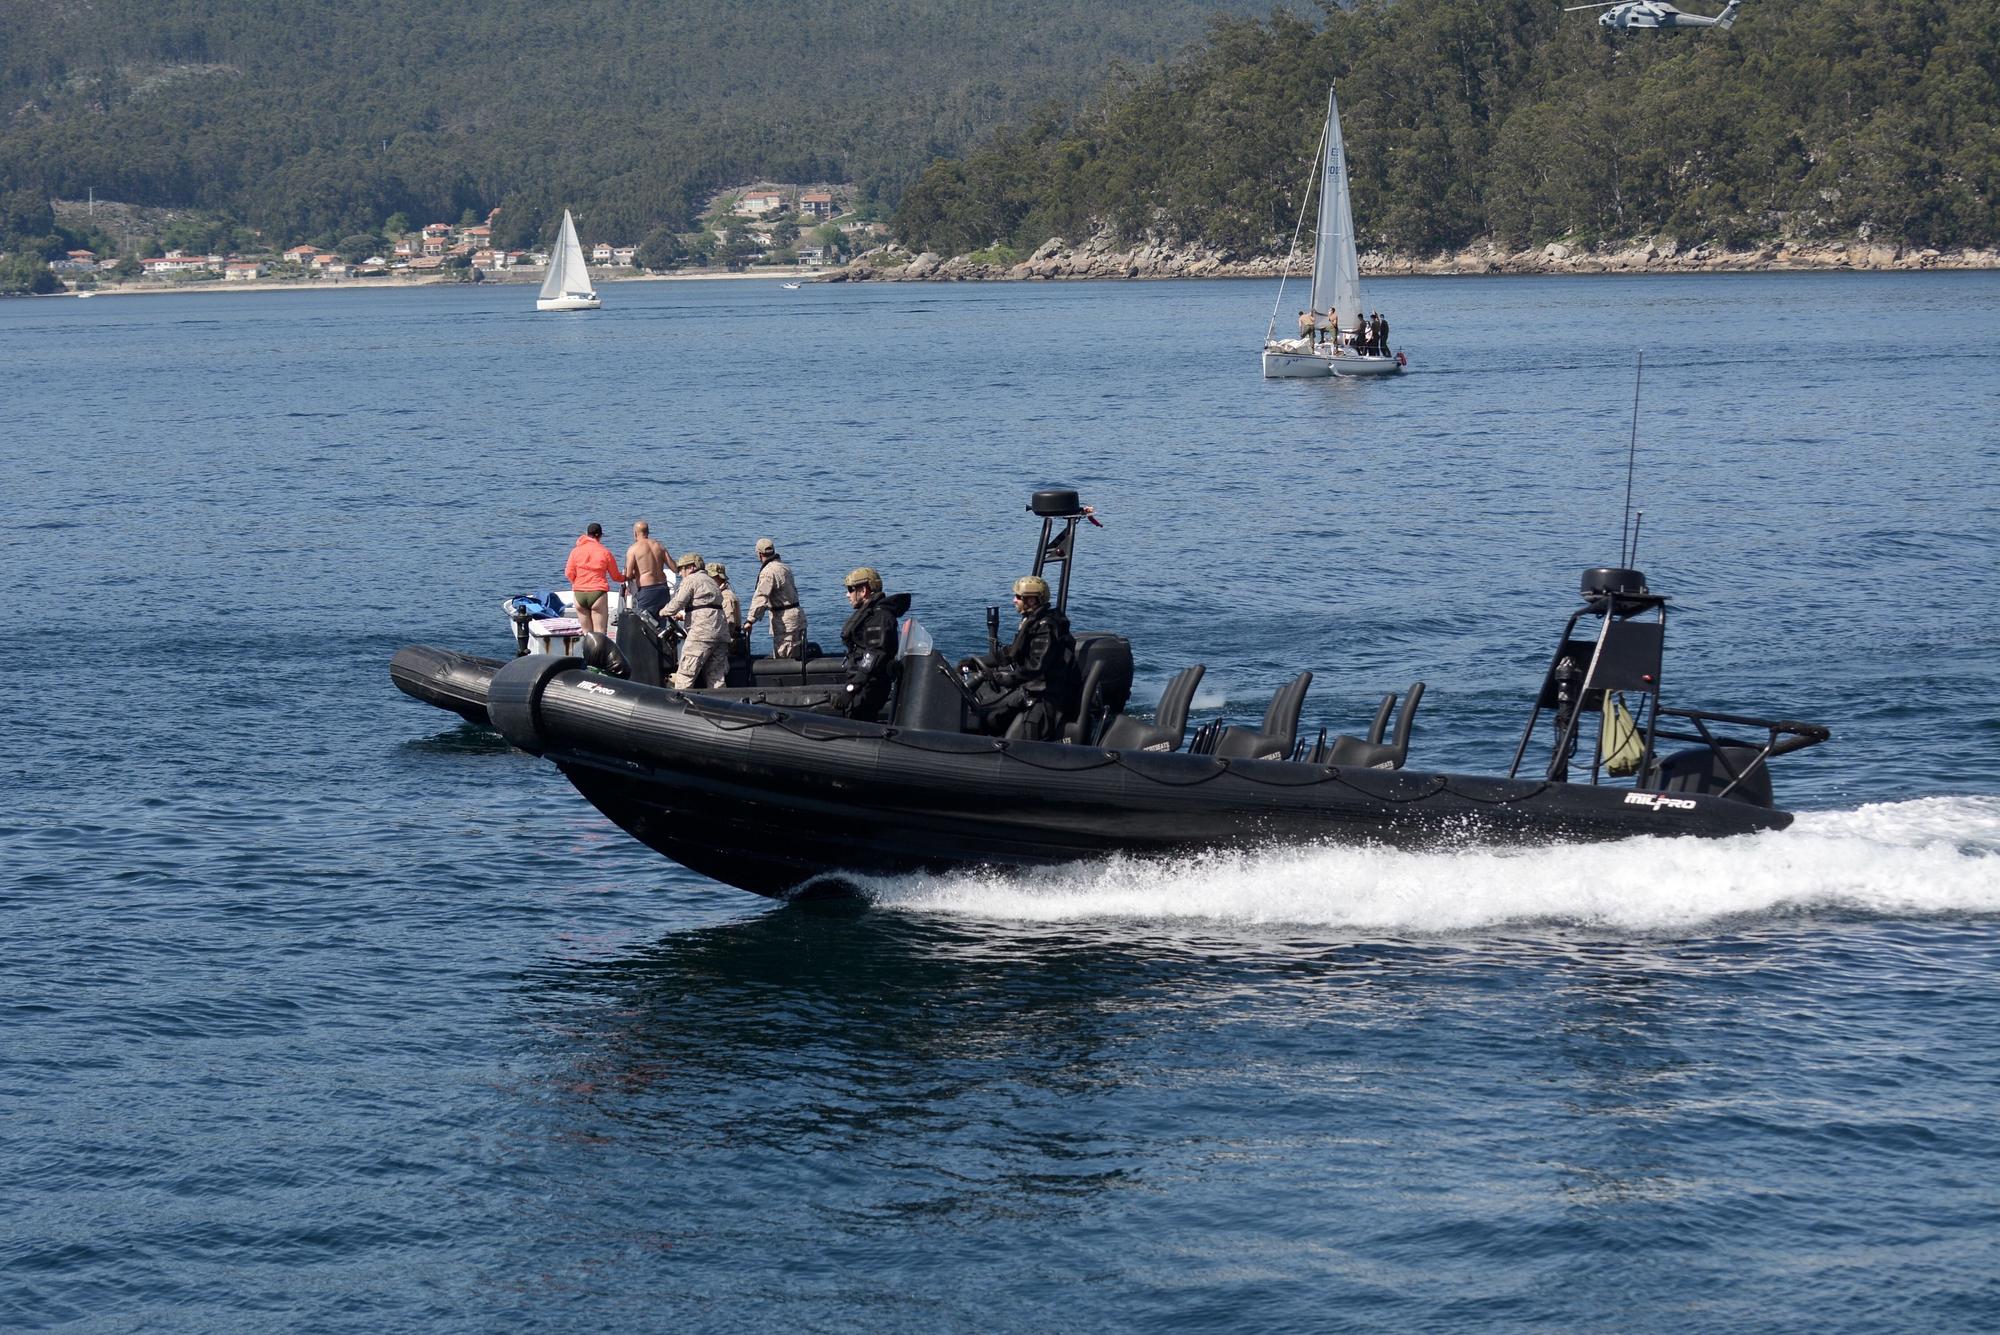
<point x="864" y="575"/>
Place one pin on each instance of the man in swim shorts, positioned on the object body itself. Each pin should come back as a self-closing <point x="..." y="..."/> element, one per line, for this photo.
<point x="646" y="566"/>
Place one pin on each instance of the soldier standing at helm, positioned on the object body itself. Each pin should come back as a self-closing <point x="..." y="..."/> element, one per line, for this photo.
<point x="1036" y="674"/>
<point x="705" y="652"/>
<point x="778" y="594"/>
<point x="870" y="635"/>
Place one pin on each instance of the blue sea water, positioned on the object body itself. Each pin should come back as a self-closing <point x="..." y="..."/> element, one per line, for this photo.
<point x="322" y="1012"/>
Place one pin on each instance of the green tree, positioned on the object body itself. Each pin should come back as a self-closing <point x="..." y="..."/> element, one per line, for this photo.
<point x="360" y="246"/>
<point x="661" y="250"/>
<point x="26" y="274"/>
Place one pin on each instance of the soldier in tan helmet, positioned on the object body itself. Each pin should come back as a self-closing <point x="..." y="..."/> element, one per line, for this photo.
<point x="732" y="606"/>
<point x="778" y="594"/>
<point x="698" y="603"/>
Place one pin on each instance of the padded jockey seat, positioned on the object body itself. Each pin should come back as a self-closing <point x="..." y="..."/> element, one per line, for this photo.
<point x="1104" y="662"/>
<point x="819" y="671"/>
<point x="1274" y="738"/>
<point x="1169" y="725"/>
<point x="1372" y="752"/>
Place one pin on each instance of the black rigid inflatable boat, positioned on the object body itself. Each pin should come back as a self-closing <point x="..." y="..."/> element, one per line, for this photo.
<point x="748" y="785"/>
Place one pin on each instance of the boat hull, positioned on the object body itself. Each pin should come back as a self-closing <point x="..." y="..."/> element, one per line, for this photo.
<point x="567" y="303"/>
<point x="1296" y="365"/>
<point x="781" y="802"/>
<point x="1356" y="367"/>
<point x="445" y="678"/>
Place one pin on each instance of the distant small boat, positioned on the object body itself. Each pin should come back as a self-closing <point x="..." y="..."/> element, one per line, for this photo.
<point x="567" y="288"/>
<point x="789" y="287"/>
<point x="1336" y="282"/>
<point x="81" y="295"/>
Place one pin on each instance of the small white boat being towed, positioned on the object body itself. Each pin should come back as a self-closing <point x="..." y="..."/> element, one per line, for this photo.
<point x="1336" y="280"/>
<point x="567" y="288"/>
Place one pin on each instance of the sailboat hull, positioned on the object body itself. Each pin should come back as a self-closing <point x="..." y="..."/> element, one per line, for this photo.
<point x="1295" y="365"/>
<point x="567" y="303"/>
<point x="1353" y="366"/>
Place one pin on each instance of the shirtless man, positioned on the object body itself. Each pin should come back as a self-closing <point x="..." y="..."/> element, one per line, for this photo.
<point x="646" y="566"/>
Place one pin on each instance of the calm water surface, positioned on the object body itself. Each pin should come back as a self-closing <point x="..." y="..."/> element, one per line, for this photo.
<point x="322" y="1013"/>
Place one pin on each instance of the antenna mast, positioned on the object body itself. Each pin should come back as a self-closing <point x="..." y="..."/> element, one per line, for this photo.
<point x="1627" y="538"/>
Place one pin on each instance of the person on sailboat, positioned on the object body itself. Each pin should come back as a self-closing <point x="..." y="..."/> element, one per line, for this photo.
<point x="1332" y="327"/>
<point x="1306" y="326"/>
<point x="1382" y="333"/>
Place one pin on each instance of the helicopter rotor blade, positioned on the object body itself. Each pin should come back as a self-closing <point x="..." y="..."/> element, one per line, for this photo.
<point x="1607" y="4"/>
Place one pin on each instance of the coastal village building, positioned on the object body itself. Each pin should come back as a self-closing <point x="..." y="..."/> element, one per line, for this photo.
<point x="243" y="270"/>
<point x="303" y="255"/>
<point x="818" y="203"/>
<point x="176" y="262"/>
<point x="761" y="201"/>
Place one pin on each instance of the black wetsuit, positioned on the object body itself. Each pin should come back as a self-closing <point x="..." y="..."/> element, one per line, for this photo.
<point x="1036" y="677"/>
<point x="870" y="636"/>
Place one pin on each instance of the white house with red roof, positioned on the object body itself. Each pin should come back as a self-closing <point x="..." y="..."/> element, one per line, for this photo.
<point x="819" y="203"/>
<point x="761" y="201"/>
<point x="176" y="262"/>
<point x="243" y="271"/>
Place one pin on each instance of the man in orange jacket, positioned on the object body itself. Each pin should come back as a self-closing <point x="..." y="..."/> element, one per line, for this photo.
<point x="590" y="570"/>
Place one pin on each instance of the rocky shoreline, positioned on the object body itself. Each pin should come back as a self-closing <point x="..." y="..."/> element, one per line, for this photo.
<point x="1101" y="257"/>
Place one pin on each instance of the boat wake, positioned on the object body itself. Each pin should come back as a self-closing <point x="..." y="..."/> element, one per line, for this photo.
<point x="1921" y="858"/>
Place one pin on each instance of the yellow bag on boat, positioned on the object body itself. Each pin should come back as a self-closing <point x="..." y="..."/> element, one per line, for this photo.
<point x="1618" y="742"/>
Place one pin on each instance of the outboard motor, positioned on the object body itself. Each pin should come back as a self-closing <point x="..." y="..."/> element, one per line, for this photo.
<point x="599" y="654"/>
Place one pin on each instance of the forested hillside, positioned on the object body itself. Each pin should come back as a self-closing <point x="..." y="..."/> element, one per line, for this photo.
<point x="1510" y="120"/>
<point x="316" y="121"/>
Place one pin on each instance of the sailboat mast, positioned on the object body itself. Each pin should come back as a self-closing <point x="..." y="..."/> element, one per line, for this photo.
<point x="1336" y="266"/>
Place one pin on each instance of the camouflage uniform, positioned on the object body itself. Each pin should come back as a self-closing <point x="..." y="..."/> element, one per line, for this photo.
<point x="777" y="593"/>
<point x="705" y="652"/>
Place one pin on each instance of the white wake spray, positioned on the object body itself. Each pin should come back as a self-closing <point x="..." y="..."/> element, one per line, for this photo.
<point x="1934" y="856"/>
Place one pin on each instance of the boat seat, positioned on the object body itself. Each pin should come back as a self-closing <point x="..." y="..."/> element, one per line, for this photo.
<point x="1169" y="725"/>
<point x="1372" y="752"/>
<point x="797" y="672"/>
<point x="1089" y="709"/>
<point x="1271" y="740"/>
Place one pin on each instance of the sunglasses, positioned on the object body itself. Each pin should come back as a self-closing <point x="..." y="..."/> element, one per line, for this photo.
<point x="856" y="588"/>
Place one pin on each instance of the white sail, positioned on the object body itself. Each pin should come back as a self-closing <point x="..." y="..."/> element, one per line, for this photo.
<point x="1336" y="267"/>
<point x="568" y="275"/>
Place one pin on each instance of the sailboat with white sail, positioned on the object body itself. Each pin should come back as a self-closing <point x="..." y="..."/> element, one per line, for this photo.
<point x="567" y="288"/>
<point x="1336" y="282"/>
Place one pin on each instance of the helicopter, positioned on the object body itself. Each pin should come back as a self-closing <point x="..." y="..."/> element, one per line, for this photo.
<point x="1625" y="15"/>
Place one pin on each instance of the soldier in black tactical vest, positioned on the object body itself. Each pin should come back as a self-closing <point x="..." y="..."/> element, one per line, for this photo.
<point x="1033" y="681"/>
